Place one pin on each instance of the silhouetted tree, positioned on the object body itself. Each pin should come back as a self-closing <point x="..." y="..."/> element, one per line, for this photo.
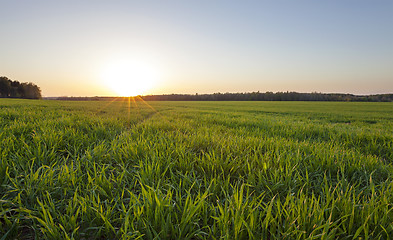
<point x="31" y="91"/>
<point x="5" y="87"/>
<point x="15" y="89"/>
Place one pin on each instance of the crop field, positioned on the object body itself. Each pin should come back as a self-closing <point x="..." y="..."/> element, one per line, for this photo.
<point x="195" y="170"/>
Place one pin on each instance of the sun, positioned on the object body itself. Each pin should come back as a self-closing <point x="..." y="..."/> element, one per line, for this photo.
<point x="130" y="78"/>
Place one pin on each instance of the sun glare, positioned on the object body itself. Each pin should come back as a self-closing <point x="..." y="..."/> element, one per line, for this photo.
<point x="130" y="78"/>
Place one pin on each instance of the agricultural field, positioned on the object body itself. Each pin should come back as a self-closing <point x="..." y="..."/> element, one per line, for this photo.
<point x="195" y="170"/>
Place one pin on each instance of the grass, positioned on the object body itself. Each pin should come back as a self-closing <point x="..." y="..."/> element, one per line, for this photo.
<point x="195" y="170"/>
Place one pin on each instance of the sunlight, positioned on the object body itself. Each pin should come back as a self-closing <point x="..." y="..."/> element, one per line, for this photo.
<point x="130" y="78"/>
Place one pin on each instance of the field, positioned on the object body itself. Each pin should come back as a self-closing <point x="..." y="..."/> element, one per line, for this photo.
<point x="195" y="170"/>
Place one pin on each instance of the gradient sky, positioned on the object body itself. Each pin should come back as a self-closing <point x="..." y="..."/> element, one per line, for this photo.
<point x="201" y="46"/>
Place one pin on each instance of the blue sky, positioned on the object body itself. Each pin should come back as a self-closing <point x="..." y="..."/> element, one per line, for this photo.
<point x="199" y="46"/>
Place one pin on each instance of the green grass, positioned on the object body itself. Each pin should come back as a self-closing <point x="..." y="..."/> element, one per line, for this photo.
<point x="195" y="170"/>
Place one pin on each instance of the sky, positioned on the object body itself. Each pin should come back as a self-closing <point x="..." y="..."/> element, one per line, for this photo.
<point x="102" y="48"/>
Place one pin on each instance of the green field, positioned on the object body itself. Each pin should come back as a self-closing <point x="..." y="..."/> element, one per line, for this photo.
<point x="195" y="170"/>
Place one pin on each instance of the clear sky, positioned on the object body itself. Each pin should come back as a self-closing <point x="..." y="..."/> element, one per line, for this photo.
<point x="82" y="48"/>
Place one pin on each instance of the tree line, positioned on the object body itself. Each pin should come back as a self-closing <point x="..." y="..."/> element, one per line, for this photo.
<point x="15" y="89"/>
<point x="270" y="96"/>
<point x="253" y="96"/>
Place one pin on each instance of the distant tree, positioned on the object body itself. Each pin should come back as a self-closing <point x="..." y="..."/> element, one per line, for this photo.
<point x="31" y="91"/>
<point x="5" y="87"/>
<point x="16" y="89"/>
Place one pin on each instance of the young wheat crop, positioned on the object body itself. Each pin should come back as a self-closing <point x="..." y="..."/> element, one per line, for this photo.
<point x="195" y="170"/>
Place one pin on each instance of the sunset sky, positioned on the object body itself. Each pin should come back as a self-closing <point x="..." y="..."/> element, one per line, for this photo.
<point x="90" y="48"/>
